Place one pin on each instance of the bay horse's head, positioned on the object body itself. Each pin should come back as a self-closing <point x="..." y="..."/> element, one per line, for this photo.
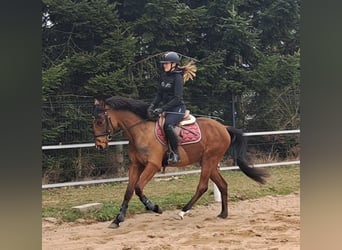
<point x="103" y="125"/>
<point x="108" y="114"/>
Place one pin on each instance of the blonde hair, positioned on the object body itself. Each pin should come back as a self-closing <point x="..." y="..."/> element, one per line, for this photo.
<point x="189" y="71"/>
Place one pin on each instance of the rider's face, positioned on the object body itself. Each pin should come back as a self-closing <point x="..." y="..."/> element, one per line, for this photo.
<point x="167" y="66"/>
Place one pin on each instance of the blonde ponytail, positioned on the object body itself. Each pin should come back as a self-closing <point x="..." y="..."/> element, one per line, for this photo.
<point x="189" y="71"/>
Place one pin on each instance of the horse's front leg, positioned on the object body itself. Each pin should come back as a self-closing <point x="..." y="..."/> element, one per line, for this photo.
<point x="148" y="173"/>
<point x="134" y="172"/>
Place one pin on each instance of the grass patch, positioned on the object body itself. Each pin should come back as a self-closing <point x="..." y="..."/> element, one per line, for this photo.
<point x="168" y="194"/>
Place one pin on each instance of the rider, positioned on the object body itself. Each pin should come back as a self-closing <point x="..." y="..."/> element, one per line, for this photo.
<point x="170" y="96"/>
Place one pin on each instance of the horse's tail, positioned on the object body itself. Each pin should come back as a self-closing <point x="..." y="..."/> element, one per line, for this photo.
<point x="240" y="148"/>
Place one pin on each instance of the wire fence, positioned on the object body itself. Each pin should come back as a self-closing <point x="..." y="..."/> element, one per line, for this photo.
<point x="67" y="119"/>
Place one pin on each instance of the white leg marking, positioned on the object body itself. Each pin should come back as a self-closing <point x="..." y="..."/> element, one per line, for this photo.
<point x="181" y="214"/>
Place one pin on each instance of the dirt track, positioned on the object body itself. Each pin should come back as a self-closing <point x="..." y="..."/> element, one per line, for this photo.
<point x="272" y="222"/>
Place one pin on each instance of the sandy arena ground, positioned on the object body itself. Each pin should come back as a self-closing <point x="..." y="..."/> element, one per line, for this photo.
<point x="269" y="223"/>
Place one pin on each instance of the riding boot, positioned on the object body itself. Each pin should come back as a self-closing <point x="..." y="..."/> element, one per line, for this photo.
<point x="173" y="142"/>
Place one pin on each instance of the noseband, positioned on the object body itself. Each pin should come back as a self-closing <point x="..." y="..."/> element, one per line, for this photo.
<point x="109" y="131"/>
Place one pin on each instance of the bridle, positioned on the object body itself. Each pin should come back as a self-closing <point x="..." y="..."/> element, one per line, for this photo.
<point x="109" y="130"/>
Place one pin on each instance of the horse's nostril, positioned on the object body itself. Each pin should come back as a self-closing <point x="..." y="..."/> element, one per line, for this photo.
<point x="99" y="147"/>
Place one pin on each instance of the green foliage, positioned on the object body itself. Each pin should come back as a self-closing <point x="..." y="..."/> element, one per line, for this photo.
<point x="52" y="80"/>
<point x="81" y="41"/>
<point x="168" y="25"/>
<point x="275" y="84"/>
<point x="75" y="26"/>
<point x="105" y="214"/>
<point x="66" y="115"/>
<point x="280" y="24"/>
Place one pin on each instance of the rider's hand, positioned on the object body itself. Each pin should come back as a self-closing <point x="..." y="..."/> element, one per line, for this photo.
<point x="157" y="111"/>
<point x="150" y="113"/>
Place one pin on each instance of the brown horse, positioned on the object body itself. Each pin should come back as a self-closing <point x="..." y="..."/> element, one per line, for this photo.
<point x="146" y="153"/>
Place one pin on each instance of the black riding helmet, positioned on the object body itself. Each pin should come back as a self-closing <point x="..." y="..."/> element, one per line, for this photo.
<point x="171" y="57"/>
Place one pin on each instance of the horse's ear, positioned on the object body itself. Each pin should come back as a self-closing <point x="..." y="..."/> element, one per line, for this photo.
<point x="99" y="102"/>
<point x="100" y="99"/>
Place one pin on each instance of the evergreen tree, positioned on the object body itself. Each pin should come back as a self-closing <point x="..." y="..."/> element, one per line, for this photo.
<point x="274" y="94"/>
<point x="86" y="48"/>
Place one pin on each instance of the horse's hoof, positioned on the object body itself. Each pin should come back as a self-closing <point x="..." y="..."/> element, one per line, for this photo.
<point x="113" y="225"/>
<point x="157" y="209"/>
<point x="119" y="218"/>
<point x="182" y="213"/>
<point x="223" y="215"/>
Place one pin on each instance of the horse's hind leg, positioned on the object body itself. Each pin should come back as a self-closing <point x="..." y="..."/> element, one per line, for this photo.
<point x="220" y="182"/>
<point x="202" y="187"/>
<point x="148" y="173"/>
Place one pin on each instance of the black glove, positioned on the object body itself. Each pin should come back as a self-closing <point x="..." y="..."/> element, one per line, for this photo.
<point x="150" y="113"/>
<point x="157" y="111"/>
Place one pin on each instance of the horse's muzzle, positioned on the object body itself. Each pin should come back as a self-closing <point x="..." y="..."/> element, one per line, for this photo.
<point x="101" y="144"/>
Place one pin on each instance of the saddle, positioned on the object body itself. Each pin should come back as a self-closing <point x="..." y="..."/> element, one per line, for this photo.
<point x="187" y="130"/>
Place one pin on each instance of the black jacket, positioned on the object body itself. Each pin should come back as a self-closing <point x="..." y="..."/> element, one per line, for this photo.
<point x="170" y="91"/>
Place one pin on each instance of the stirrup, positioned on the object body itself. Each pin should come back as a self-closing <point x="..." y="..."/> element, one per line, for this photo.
<point x="173" y="158"/>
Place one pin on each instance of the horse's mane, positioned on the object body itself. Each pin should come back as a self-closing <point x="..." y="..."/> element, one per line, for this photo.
<point x="138" y="107"/>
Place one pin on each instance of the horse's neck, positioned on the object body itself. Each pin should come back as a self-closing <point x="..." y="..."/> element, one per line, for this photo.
<point x="130" y="123"/>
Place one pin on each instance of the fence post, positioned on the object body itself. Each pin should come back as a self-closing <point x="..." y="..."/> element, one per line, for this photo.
<point x="234" y="124"/>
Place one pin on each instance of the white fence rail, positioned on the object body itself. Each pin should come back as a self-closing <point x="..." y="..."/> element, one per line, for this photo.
<point x="83" y="145"/>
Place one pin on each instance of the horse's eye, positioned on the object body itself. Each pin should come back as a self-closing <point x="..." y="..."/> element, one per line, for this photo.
<point x="99" y="123"/>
